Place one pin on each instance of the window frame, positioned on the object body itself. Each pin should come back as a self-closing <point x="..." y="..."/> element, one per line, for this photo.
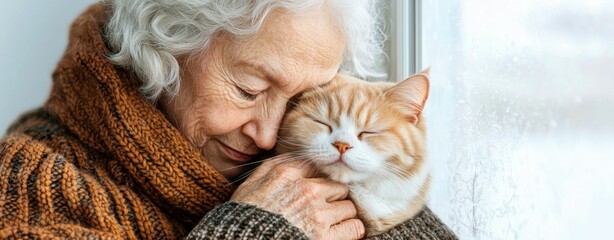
<point x="405" y="38"/>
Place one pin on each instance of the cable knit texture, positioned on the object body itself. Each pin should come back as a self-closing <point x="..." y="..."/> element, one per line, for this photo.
<point x="98" y="161"/>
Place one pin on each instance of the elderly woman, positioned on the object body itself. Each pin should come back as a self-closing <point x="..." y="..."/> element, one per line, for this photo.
<point x="156" y="108"/>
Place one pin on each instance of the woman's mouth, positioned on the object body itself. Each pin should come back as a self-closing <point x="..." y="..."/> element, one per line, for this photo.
<point x="235" y="155"/>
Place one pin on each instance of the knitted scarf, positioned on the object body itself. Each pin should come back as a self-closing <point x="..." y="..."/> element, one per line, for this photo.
<point x="98" y="140"/>
<point x="103" y="107"/>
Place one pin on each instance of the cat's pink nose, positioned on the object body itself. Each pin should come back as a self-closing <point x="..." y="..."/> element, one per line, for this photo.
<point x="342" y="147"/>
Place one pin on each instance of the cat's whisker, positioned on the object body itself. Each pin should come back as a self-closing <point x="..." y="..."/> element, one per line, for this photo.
<point x="286" y="143"/>
<point x="394" y="167"/>
<point x="290" y="140"/>
<point x="277" y="160"/>
<point x="255" y="162"/>
<point x="307" y="156"/>
<point x="401" y="182"/>
<point x="242" y="176"/>
<point x="284" y="128"/>
<point x="242" y="165"/>
<point x="399" y="171"/>
<point x="304" y="163"/>
<point x="249" y="172"/>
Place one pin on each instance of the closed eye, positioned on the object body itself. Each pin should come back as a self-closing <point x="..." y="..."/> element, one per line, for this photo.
<point x="367" y="133"/>
<point x="330" y="130"/>
<point x="246" y="95"/>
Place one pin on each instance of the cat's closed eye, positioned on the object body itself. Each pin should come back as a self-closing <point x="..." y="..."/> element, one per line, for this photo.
<point x="330" y="129"/>
<point x="367" y="133"/>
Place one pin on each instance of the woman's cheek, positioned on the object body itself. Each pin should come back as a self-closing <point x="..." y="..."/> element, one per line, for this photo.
<point x="223" y="122"/>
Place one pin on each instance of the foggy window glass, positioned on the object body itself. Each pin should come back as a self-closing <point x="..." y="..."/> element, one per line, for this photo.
<point x="521" y="117"/>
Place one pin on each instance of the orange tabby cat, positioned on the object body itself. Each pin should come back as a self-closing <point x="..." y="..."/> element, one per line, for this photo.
<point x="370" y="136"/>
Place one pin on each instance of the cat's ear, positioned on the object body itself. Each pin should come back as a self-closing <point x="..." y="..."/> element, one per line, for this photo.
<point x="411" y="94"/>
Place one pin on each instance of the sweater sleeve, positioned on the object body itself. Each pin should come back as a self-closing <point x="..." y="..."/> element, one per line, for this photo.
<point x="44" y="196"/>
<point x="64" y="231"/>
<point x="233" y="220"/>
<point x="424" y="226"/>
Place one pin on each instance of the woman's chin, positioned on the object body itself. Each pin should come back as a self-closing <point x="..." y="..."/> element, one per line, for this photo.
<point x="214" y="156"/>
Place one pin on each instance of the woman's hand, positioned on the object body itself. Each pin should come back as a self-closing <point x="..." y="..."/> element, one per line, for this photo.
<point x="317" y="206"/>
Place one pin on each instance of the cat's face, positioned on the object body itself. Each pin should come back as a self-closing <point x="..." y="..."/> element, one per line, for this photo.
<point x="354" y="130"/>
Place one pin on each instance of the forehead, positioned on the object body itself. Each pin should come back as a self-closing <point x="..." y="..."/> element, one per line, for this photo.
<point x="298" y="49"/>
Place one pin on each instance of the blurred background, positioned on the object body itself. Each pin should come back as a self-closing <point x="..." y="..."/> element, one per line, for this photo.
<point x="33" y="36"/>
<point x="521" y="111"/>
<point x="521" y="117"/>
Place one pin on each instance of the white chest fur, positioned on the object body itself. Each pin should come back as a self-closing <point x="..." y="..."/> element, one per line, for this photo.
<point x="382" y="197"/>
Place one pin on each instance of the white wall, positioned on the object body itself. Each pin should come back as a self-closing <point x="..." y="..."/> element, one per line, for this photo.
<point x="33" y="35"/>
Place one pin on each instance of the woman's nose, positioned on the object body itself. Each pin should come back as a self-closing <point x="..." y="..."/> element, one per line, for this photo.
<point x="263" y="130"/>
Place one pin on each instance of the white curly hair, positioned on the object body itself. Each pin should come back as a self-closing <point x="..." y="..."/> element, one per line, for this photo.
<point x="147" y="36"/>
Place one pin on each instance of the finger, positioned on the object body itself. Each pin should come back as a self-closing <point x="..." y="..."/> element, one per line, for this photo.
<point x="270" y="163"/>
<point x="281" y="158"/>
<point x="286" y="166"/>
<point x="307" y="169"/>
<point x="341" y="211"/>
<point x="333" y="191"/>
<point x="299" y="168"/>
<point x="348" y="229"/>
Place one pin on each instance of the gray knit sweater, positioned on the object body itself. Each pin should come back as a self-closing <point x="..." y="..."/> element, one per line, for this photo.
<point x="234" y="220"/>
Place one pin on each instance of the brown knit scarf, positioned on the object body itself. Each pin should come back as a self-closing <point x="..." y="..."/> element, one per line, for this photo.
<point x="102" y="106"/>
<point x="98" y="160"/>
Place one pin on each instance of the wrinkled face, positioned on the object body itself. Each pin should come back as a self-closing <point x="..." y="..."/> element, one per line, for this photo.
<point x="232" y="98"/>
<point x="353" y="131"/>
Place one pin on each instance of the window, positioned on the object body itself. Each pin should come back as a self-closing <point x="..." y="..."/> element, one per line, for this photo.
<point x="521" y="117"/>
<point x="404" y="39"/>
